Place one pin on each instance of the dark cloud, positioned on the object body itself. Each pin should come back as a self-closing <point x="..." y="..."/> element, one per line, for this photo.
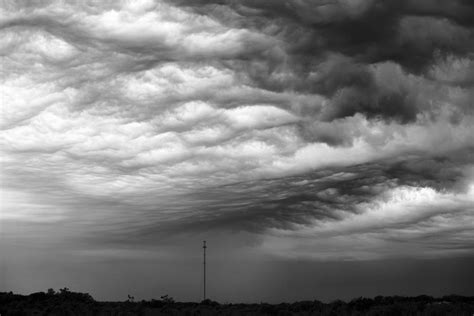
<point x="342" y="128"/>
<point x="276" y="130"/>
<point x="408" y="33"/>
<point x="327" y="48"/>
<point x="292" y="202"/>
<point x="367" y="29"/>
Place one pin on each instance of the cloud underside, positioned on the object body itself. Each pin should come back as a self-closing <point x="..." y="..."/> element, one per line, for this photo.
<point x="326" y="129"/>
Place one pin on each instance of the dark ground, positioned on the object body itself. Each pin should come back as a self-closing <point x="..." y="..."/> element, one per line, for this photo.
<point x="66" y="303"/>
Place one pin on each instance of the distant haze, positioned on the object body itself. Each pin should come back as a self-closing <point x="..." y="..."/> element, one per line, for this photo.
<point x="324" y="149"/>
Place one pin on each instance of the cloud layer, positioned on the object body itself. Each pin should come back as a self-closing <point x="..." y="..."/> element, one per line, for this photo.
<point x="323" y="129"/>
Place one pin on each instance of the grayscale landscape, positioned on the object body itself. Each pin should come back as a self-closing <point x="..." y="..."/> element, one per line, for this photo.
<point x="323" y="149"/>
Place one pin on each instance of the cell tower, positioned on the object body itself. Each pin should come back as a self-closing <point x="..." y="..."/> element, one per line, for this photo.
<point x="204" y="263"/>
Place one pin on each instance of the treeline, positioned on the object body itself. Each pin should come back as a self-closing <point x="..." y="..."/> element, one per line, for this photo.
<point x="67" y="303"/>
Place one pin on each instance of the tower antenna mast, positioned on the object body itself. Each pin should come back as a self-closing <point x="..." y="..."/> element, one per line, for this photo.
<point x="204" y="266"/>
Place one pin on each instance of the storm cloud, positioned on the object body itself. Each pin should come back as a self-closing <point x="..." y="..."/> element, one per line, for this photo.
<point x="321" y="130"/>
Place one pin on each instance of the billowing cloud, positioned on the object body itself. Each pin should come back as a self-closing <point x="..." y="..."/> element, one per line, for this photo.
<point x="321" y="129"/>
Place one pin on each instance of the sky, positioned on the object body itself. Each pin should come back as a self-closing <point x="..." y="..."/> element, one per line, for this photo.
<point x="323" y="148"/>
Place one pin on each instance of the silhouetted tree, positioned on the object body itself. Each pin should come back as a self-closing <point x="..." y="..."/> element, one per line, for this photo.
<point x="167" y="299"/>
